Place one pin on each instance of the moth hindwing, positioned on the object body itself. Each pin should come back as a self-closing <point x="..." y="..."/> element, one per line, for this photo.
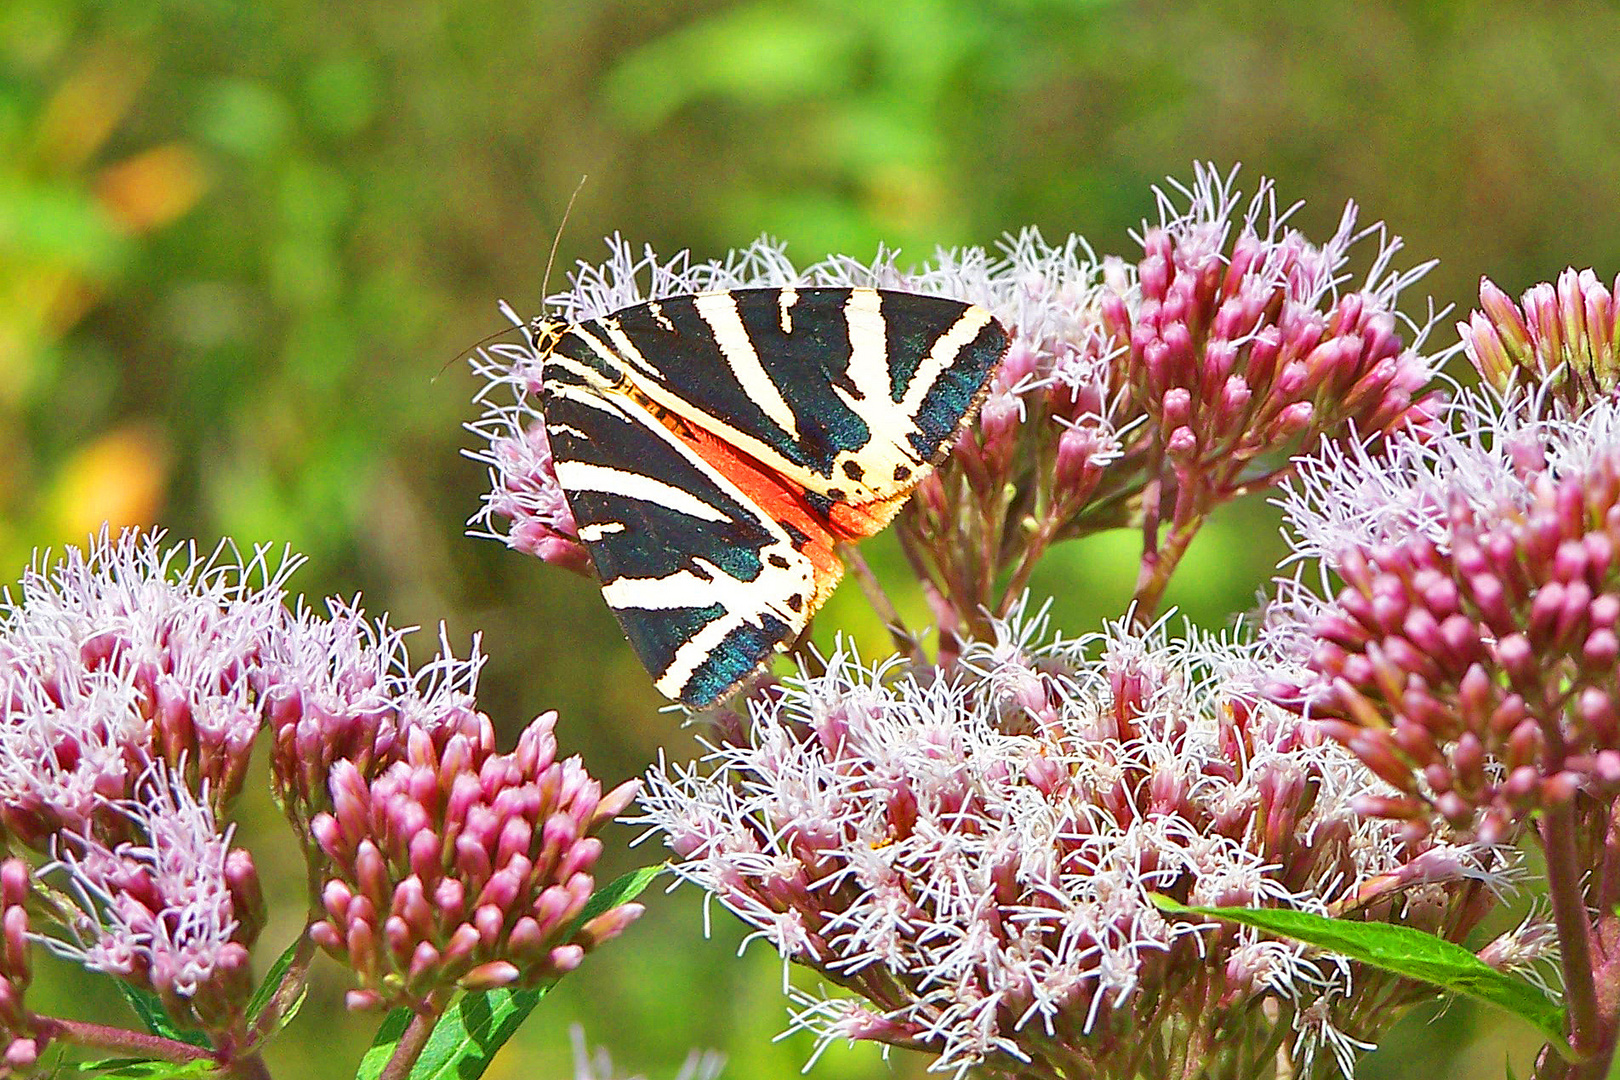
<point x="714" y="448"/>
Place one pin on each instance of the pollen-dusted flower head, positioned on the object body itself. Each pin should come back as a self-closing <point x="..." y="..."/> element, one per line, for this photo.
<point x="122" y="654"/>
<point x="445" y="864"/>
<point x="1563" y="340"/>
<point x="972" y="855"/>
<point x="174" y="909"/>
<point x="1471" y="657"/>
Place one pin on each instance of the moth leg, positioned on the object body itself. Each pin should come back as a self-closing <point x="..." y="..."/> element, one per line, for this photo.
<point x="809" y="662"/>
<point x="904" y="639"/>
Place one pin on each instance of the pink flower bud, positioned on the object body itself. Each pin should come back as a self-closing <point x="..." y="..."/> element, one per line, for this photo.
<point x="425" y="886"/>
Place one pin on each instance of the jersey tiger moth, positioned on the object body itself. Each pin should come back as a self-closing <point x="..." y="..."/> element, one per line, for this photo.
<point x="715" y="447"/>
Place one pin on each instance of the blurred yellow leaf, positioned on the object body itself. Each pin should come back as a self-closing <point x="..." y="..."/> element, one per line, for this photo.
<point x="118" y="479"/>
<point x="88" y="105"/>
<point x="152" y="188"/>
<point x="907" y="199"/>
<point x="39" y="303"/>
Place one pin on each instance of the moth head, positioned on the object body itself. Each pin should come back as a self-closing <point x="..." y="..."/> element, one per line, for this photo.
<point x="545" y="330"/>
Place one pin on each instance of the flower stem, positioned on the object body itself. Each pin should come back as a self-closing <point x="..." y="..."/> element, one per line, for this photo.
<point x="117" y="1039"/>
<point x="1158" y="563"/>
<point x="1587" y="1034"/>
<point x="1033" y="550"/>
<point x="904" y="639"/>
<point x="248" y="1067"/>
<point x="292" y="983"/>
<point x="412" y="1041"/>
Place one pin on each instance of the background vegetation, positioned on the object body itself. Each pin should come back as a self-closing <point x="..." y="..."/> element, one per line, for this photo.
<point x="238" y="241"/>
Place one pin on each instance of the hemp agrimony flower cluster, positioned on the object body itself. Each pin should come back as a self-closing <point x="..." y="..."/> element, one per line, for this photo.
<point x="1136" y="853"/>
<point x="973" y="843"/>
<point x="973" y="854"/>
<point x="135" y="680"/>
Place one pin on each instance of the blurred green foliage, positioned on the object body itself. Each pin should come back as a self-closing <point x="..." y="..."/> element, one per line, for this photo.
<point x="239" y="241"/>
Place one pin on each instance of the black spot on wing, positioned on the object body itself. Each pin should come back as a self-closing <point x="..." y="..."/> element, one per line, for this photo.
<point x="657" y="634"/>
<point x="957" y="390"/>
<point x="656" y="540"/>
<point x="738" y="654"/>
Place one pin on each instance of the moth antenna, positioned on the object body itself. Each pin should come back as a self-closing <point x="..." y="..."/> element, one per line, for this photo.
<point x="480" y="343"/>
<point x="545" y="279"/>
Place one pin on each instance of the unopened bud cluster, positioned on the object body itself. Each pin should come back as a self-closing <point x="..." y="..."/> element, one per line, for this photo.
<point x="342" y="688"/>
<point x="1241" y="350"/>
<point x="19" y="1046"/>
<point x="449" y="865"/>
<point x="1472" y="656"/>
<point x="1560" y="343"/>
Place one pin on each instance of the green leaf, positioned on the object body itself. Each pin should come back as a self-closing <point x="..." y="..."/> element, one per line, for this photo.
<point x="1403" y="951"/>
<point x="621" y="890"/>
<point x="464" y="1041"/>
<point x="149" y="1008"/>
<point x="475" y="1027"/>
<point x="272" y="982"/>
<point x="382" y="1044"/>
<point x="760" y="55"/>
<point x="137" y="1068"/>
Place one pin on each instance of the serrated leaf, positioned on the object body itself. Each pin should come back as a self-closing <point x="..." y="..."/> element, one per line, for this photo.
<point x="475" y="1026"/>
<point x="272" y="982"/>
<point x="1402" y="951"/>
<point x="150" y="1009"/>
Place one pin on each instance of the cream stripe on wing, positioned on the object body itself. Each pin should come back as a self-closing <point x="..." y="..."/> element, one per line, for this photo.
<point x="784" y="308"/>
<point x="749" y="599"/>
<point x="868" y="350"/>
<point x="581" y="476"/>
<point x="695" y="651"/>
<point x="944" y="353"/>
<point x="588" y="396"/>
<point x="671" y="682"/>
<point x="626" y="348"/>
<point x="719" y="310"/>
